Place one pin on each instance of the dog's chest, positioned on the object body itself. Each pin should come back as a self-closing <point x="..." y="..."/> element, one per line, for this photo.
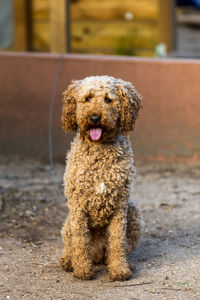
<point x="109" y="179"/>
<point x="100" y="180"/>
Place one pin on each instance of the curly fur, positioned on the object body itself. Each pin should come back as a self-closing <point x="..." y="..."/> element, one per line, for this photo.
<point x="103" y="225"/>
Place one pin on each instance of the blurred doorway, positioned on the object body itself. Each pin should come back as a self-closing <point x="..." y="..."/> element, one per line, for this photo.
<point x="187" y="29"/>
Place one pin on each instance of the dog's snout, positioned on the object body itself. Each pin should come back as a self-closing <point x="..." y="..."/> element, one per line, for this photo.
<point x="95" y="118"/>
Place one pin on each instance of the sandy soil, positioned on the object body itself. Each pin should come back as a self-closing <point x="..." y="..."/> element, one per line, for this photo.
<point x="31" y="215"/>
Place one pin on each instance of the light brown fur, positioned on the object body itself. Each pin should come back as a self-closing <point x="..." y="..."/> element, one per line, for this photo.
<point x="103" y="225"/>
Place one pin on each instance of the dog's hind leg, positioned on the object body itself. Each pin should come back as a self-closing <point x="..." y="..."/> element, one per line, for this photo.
<point x="134" y="227"/>
<point x="65" y="260"/>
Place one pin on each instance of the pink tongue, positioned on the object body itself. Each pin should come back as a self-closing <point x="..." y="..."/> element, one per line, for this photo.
<point x="95" y="133"/>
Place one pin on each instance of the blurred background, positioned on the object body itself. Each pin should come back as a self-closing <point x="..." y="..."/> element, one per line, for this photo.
<point x="129" y="27"/>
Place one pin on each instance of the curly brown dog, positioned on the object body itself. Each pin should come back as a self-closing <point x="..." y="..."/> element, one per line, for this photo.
<point x="103" y="225"/>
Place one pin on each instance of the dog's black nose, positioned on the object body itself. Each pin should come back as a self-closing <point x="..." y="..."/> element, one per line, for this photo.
<point x="95" y="118"/>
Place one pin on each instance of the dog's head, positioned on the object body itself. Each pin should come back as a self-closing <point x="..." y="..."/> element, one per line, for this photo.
<point x="101" y="106"/>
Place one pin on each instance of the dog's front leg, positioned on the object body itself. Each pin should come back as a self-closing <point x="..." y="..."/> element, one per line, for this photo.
<point x="81" y="262"/>
<point x="117" y="260"/>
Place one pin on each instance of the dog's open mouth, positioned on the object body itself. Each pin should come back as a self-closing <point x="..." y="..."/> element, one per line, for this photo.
<point x="95" y="133"/>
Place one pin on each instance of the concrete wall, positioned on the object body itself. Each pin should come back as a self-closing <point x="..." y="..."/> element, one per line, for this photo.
<point x="169" y="125"/>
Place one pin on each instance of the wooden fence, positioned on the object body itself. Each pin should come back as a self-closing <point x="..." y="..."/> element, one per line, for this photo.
<point x="128" y="27"/>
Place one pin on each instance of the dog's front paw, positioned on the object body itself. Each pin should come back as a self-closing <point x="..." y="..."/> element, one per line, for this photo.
<point x="120" y="273"/>
<point x="66" y="264"/>
<point x="83" y="273"/>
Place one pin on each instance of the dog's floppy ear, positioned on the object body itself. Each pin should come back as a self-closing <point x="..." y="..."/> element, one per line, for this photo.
<point x="130" y="104"/>
<point x="69" y="107"/>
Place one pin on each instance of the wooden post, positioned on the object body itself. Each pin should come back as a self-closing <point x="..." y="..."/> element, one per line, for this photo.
<point x="166" y="23"/>
<point x="59" y="24"/>
<point x="21" y="9"/>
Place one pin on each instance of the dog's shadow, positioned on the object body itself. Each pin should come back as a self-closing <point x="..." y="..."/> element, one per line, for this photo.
<point x="158" y="250"/>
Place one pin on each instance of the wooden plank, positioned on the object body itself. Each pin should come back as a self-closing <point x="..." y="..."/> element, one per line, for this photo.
<point x="40" y="25"/>
<point x="41" y="41"/>
<point x="166" y="23"/>
<point x="137" y="52"/>
<point x="58" y="26"/>
<point x="41" y="36"/>
<point x="114" y="9"/>
<point x="40" y="10"/>
<point x="21" y="25"/>
<point x="124" y="37"/>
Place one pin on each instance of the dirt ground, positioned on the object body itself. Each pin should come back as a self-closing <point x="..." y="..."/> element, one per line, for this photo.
<point x="31" y="215"/>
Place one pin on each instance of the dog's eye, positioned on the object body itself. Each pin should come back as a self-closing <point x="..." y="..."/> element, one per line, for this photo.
<point x="88" y="98"/>
<point x="107" y="100"/>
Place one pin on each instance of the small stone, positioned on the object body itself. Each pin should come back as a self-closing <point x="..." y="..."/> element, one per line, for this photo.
<point x="35" y="208"/>
<point x="29" y="213"/>
<point x="44" y="200"/>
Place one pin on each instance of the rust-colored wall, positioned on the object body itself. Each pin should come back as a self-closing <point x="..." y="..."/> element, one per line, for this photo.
<point x="169" y="125"/>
